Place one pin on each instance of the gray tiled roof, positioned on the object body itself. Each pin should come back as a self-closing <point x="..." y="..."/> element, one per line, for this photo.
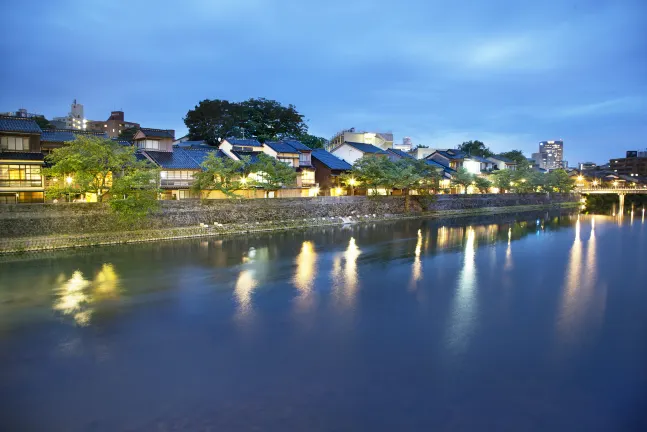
<point x="366" y="148"/>
<point x="157" y="133"/>
<point x="66" y="135"/>
<point x="244" y="142"/>
<point x="330" y="160"/>
<point x="253" y="156"/>
<point x="199" y="154"/>
<point x="18" y="124"/>
<point x="452" y="154"/>
<point x="281" y="147"/>
<point x="400" y="153"/>
<point x="9" y="155"/>
<point x="177" y="159"/>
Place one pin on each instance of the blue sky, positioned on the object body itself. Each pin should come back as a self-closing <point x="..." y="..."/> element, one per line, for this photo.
<point x="509" y="73"/>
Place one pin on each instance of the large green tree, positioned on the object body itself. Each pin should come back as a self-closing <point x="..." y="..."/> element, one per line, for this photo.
<point x="43" y="123"/>
<point x="517" y="156"/>
<point x="464" y="178"/>
<point x="372" y="172"/>
<point x="220" y="173"/>
<point x="128" y="134"/>
<point x="482" y="184"/>
<point x="475" y="148"/>
<point x="103" y="167"/>
<point x="404" y="174"/>
<point x="559" y="181"/>
<point x="263" y="119"/>
<point x="274" y="173"/>
<point x="314" y="142"/>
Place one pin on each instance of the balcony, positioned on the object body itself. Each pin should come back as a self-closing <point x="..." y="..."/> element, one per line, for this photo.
<point x="176" y="183"/>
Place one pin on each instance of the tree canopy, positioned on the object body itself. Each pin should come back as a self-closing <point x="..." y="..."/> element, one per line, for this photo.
<point x="314" y="142"/>
<point x="103" y="167"/>
<point x="517" y="156"/>
<point x="463" y="178"/>
<point x="128" y="134"/>
<point x="223" y="174"/>
<point x="263" y="119"/>
<point x="43" y="123"/>
<point x="475" y="148"/>
<point x="274" y="173"/>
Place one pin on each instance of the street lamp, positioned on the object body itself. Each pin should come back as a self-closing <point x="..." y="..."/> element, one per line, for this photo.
<point x="595" y="182"/>
<point x="352" y="182"/>
<point x="69" y="181"/>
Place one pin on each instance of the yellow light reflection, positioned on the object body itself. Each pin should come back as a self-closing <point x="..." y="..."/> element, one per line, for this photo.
<point x="416" y="273"/>
<point x="72" y="300"/>
<point x="463" y="310"/>
<point x="305" y="272"/>
<point x="106" y="282"/>
<point x="245" y="285"/>
<point x="345" y="276"/>
<point x="508" y="251"/>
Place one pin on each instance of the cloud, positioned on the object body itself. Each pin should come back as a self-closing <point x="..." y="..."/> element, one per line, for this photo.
<point x="628" y="104"/>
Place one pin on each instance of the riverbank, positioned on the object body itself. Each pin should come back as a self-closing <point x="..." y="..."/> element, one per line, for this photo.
<point x="30" y="244"/>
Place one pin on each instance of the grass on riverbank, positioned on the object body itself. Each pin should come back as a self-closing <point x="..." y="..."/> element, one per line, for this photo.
<point x="49" y="243"/>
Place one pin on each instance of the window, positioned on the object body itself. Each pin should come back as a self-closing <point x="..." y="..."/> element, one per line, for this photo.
<point x="14" y="143"/>
<point x="148" y="144"/>
<point x="177" y="175"/>
<point x="307" y="178"/>
<point x="289" y="161"/>
<point x="30" y="197"/>
<point x="20" y="176"/>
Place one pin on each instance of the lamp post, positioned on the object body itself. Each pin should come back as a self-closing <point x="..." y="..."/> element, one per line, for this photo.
<point x="69" y="181"/>
<point x="352" y="182"/>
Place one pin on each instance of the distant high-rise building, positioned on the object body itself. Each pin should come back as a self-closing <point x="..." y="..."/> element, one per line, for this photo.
<point x="406" y="145"/>
<point x="584" y="166"/>
<point x="551" y="154"/>
<point x="634" y="164"/>
<point x="75" y="119"/>
<point x="115" y="124"/>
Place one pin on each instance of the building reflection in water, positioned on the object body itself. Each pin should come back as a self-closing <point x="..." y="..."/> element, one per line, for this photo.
<point x="345" y="277"/>
<point x="305" y="274"/>
<point x="416" y="273"/>
<point x="463" y="310"/>
<point x="75" y="296"/>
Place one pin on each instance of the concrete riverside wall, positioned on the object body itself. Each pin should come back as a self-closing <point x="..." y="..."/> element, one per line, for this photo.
<point x="22" y="220"/>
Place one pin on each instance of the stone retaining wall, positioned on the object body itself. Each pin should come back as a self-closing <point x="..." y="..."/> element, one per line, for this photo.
<point x="23" y="220"/>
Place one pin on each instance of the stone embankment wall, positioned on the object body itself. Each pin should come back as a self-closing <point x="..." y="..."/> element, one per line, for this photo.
<point x="81" y="218"/>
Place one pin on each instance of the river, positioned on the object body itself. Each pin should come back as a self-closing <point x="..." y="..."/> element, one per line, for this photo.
<point x="532" y="321"/>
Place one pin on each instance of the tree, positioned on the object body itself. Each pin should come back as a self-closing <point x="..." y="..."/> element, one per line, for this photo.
<point x="463" y="178"/>
<point x="403" y="174"/>
<point x="89" y="163"/>
<point x="314" y="142"/>
<point x="420" y="146"/>
<point x="128" y="134"/>
<point x="482" y="184"/>
<point x="110" y="171"/>
<point x="263" y="119"/>
<point x="371" y="171"/>
<point x="475" y="148"/>
<point x="517" y="156"/>
<point x="524" y="180"/>
<point x="134" y="193"/>
<point x="501" y="179"/>
<point x="431" y="176"/>
<point x="220" y="173"/>
<point x="559" y="181"/>
<point x="43" y="123"/>
<point x="274" y="173"/>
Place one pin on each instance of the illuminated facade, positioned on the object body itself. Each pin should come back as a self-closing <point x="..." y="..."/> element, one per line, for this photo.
<point x="551" y="154"/>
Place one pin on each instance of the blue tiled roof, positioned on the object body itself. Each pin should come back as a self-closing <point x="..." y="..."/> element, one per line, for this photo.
<point x="281" y="147"/>
<point x="191" y="143"/>
<point x="199" y="154"/>
<point x="243" y="142"/>
<point x="365" y="148"/>
<point x="452" y="154"/>
<point x="400" y="153"/>
<point x="439" y="165"/>
<point x="67" y="135"/>
<point x="298" y="145"/>
<point x="330" y="160"/>
<point x="9" y="155"/>
<point x="141" y="157"/>
<point x="504" y="159"/>
<point x="479" y="158"/>
<point x="18" y="124"/>
<point x="157" y="133"/>
<point x="177" y="159"/>
<point x="123" y="142"/>
<point x="253" y="156"/>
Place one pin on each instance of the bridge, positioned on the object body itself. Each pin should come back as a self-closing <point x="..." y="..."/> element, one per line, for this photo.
<point x="621" y="192"/>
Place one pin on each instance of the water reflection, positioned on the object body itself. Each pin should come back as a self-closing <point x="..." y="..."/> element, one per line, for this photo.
<point x="580" y="303"/>
<point x="245" y="285"/>
<point x="508" y="251"/>
<point x="305" y="274"/>
<point x="345" y="277"/>
<point x="416" y="273"/>
<point x="463" y="310"/>
<point x="75" y="296"/>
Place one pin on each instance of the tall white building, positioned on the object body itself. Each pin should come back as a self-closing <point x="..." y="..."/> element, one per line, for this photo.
<point x="551" y="154"/>
<point x="75" y="119"/>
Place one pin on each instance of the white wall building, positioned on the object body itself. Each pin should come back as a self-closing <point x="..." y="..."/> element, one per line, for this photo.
<point x="382" y="140"/>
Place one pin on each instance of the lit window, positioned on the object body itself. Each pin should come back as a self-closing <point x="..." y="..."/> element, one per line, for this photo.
<point x="14" y="143"/>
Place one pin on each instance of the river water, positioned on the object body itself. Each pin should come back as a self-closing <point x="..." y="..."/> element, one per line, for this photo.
<point x="533" y="321"/>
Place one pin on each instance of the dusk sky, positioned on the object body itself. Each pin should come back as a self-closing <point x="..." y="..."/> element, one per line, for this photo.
<point x="509" y="73"/>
